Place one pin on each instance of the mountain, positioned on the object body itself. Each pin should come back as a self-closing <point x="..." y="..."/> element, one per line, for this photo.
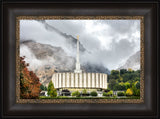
<point x="45" y="59"/>
<point x="133" y="62"/>
<point x="71" y="41"/>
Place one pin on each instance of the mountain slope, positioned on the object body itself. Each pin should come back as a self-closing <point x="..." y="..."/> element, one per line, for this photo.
<point x="45" y="59"/>
<point x="133" y="62"/>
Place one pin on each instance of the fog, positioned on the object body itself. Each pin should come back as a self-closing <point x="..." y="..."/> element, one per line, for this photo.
<point x="106" y="42"/>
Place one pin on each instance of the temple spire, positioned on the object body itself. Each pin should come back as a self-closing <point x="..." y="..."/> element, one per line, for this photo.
<point x="78" y="68"/>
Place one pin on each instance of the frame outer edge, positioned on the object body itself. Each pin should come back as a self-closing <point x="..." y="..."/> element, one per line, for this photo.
<point x="158" y="59"/>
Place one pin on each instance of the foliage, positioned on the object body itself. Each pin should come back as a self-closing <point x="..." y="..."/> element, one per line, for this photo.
<point x="84" y="91"/>
<point x="45" y="88"/>
<point x="29" y="82"/>
<point x="114" y="75"/>
<point x="131" y="77"/>
<point x="120" y="86"/>
<point x="130" y="70"/>
<point x="129" y="92"/>
<point x="94" y="93"/>
<point x="112" y="84"/>
<point x="110" y="93"/>
<point x="114" y="96"/>
<point x="136" y="88"/>
<point x="121" y="93"/>
<point x="137" y="85"/>
<point x="123" y="79"/>
<point x="42" y="87"/>
<point x="106" y="97"/>
<point x="127" y="85"/>
<point x="76" y="93"/>
<point x="107" y="90"/>
<point x="51" y="90"/>
<point x="123" y="71"/>
<point x="105" y="94"/>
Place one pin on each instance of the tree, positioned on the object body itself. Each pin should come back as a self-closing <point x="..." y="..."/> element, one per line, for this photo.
<point x="127" y="85"/>
<point x="29" y="82"/>
<point x="42" y="87"/>
<point x="136" y="88"/>
<point x="121" y="86"/>
<point x="137" y="85"/>
<point x="51" y="90"/>
<point x="130" y="70"/>
<point x="115" y="74"/>
<point x="45" y="88"/>
<point x="123" y="71"/>
<point x="112" y="84"/>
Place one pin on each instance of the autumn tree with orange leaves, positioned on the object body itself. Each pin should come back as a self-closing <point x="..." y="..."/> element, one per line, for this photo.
<point x="29" y="82"/>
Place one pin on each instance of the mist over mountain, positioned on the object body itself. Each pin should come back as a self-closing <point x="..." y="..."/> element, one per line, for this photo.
<point x="45" y="59"/>
<point x="133" y="62"/>
<point x="70" y="41"/>
<point x="105" y="43"/>
<point x="50" y="45"/>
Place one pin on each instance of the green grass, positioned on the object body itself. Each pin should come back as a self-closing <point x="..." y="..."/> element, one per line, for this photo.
<point x="65" y="97"/>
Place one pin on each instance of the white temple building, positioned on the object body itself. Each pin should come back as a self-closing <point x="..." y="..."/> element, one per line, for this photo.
<point x="79" y="79"/>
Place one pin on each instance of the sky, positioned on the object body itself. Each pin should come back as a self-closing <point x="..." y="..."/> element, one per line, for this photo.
<point x="111" y="42"/>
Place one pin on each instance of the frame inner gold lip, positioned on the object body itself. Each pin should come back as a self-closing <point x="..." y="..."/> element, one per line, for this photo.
<point x="60" y="101"/>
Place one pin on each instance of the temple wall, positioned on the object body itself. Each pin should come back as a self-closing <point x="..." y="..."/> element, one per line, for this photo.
<point x="79" y="80"/>
<point x="97" y="80"/>
<point x="89" y="80"/>
<point x="84" y="80"/>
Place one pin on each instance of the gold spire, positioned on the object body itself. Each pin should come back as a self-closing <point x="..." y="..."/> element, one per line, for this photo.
<point x="77" y="37"/>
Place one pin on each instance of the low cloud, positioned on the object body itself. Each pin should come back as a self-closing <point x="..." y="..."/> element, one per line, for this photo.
<point x="108" y="42"/>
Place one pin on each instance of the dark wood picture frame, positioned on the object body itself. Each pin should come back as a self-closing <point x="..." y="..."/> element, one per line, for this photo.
<point x="12" y="9"/>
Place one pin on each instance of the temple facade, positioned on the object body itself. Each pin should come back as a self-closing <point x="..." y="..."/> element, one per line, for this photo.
<point x="79" y="79"/>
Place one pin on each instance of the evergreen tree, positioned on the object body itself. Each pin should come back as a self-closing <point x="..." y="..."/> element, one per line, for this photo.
<point x="42" y="87"/>
<point x="51" y="90"/>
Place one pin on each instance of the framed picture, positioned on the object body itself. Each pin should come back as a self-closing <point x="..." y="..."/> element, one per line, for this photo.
<point x="60" y="59"/>
<point x="77" y="67"/>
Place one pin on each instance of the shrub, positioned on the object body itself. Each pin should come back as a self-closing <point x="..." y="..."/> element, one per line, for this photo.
<point x="114" y="96"/>
<point x="84" y="91"/>
<point x="94" y="93"/>
<point x="105" y="94"/>
<point x="137" y="92"/>
<point x="76" y="93"/>
<point x="110" y="93"/>
<point x="121" y="93"/>
<point x="106" y="91"/>
<point x="129" y="92"/>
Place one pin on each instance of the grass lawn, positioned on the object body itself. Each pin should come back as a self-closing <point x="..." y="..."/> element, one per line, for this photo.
<point x="65" y="97"/>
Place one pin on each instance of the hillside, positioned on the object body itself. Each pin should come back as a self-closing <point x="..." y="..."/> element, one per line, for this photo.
<point x="133" y="62"/>
<point x="45" y="59"/>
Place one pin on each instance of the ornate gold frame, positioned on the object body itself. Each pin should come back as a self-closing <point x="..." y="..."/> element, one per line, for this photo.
<point x="59" y="101"/>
